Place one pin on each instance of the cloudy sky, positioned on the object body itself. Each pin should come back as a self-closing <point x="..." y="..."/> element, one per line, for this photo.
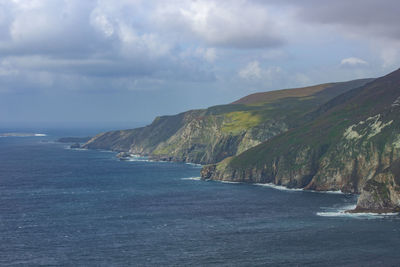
<point x="126" y="61"/>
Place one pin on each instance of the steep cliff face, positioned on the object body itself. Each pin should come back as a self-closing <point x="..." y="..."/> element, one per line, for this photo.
<point x="199" y="136"/>
<point x="211" y="138"/>
<point x="351" y="143"/>
<point x="213" y="134"/>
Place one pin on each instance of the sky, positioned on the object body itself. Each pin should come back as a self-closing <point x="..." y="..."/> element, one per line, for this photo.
<point x="89" y="62"/>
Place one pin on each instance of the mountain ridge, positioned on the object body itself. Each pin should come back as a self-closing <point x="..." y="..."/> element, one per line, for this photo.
<point x="334" y="136"/>
<point x="352" y="144"/>
<point x="209" y="135"/>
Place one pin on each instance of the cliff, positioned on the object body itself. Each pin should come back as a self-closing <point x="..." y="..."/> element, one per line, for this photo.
<point x="211" y="135"/>
<point x="351" y="143"/>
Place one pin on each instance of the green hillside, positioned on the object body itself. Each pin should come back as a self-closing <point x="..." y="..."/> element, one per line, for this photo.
<point x="210" y="135"/>
<point x="351" y="143"/>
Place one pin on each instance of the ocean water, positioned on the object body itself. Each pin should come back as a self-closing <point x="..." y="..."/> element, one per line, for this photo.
<point x="60" y="206"/>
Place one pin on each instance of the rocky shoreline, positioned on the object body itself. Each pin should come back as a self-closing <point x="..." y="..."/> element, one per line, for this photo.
<point x="206" y="174"/>
<point x="374" y="211"/>
<point x="337" y="138"/>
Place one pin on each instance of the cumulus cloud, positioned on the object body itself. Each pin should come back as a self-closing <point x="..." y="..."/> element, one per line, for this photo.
<point x="169" y="40"/>
<point x="102" y="23"/>
<point x="253" y="71"/>
<point x="234" y="24"/>
<point x="47" y="27"/>
<point x="207" y="50"/>
<point x="353" y="61"/>
<point x="84" y="39"/>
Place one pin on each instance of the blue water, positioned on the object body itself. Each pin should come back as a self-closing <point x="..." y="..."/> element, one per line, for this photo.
<point x="74" y="207"/>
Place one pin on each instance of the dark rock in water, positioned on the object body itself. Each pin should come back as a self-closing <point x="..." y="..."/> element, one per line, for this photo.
<point x="76" y="145"/>
<point x="207" y="171"/>
<point x="335" y="136"/>
<point x="124" y="155"/>
<point x="377" y="211"/>
<point x="352" y="145"/>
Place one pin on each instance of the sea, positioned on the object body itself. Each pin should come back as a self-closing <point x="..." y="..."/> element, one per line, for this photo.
<point x="75" y="207"/>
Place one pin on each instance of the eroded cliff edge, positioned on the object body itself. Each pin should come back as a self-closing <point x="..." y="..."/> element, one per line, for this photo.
<point x="211" y="135"/>
<point x="351" y="143"/>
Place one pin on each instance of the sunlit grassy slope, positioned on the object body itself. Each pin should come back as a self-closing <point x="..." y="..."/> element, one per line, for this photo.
<point x="210" y="135"/>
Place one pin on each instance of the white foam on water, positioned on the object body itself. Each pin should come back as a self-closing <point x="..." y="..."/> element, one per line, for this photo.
<point x="341" y="212"/>
<point x="326" y="192"/>
<point x="79" y="149"/>
<point x="229" y="182"/>
<point x="194" y="164"/>
<point x="284" y="188"/>
<point x="134" y="157"/>
<point x="192" y="178"/>
<point x="332" y="192"/>
<point x="22" y="134"/>
<point x="138" y="159"/>
<point x="279" y="187"/>
<point x="106" y="151"/>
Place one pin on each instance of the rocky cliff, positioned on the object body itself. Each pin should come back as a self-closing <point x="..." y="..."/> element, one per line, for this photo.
<point x="351" y="143"/>
<point x="213" y="134"/>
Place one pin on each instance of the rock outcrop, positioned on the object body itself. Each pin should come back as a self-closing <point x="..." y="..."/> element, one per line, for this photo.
<point x="75" y="145"/>
<point x="351" y="143"/>
<point x="338" y="136"/>
<point x="213" y="134"/>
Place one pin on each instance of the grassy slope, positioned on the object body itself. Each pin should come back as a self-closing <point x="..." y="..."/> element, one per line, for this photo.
<point x="328" y="124"/>
<point x="269" y="97"/>
<point x="168" y="135"/>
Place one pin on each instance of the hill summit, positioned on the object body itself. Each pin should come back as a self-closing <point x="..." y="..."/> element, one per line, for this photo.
<point x="210" y="135"/>
<point x="335" y="136"/>
<point x="351" y="143"/>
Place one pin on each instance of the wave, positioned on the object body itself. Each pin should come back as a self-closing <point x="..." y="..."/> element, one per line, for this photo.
<point x="78" y="148"/>
<point x="138" y="158"/>
<point x="284" y="188"/>
<point x="279" y="187"/>
<point x="229" y="182"/>
<point x="194" y="164"/>
<point x="341" y="212"/>
<point x="135" y="157"/>
<point x="22" y="134"/>
<point x="339" y="192"/>
<point x="192" y="178"/>
<point x="104" y="151"/>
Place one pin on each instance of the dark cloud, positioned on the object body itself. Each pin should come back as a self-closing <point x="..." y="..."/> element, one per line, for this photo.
<point x="193" y="50"/>
<point x="368" y="17"/>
